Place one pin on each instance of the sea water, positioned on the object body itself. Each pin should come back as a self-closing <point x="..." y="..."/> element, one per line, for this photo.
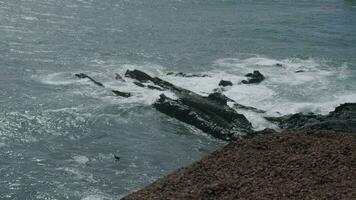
<point x="59" y="134"/>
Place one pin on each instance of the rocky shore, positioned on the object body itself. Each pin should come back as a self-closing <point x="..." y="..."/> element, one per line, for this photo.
<point x="314" y="159"/>
<point x="295" y="164"/>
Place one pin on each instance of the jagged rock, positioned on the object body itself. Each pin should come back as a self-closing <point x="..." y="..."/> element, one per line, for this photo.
<point x="343" y="118"/>
<point x="83" y="76"/>
<point x="121" y="94"/>
<point x="219" y="121"/>
<point x="255" y="77"/>
<point x="138" y="75"/>
<point x="225" y="83"/>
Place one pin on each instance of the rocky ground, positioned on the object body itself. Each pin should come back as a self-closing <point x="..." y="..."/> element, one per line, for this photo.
<point x="295" y="164"/>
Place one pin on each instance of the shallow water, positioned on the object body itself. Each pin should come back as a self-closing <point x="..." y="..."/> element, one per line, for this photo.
<point x="58" y="134"/>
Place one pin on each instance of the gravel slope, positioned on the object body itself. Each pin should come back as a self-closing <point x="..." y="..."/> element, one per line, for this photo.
<point x="295" y="164"/>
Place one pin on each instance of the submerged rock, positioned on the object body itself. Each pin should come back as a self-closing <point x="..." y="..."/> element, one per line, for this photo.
<point x="83" y="76"/>
<point x="121" y="94"/>
<point x="119" y="77"/>
<point x="255" y="77"/>
<point x="343" y="118"/>
<point x="225" y="83"/>
<point x="181" y="74"/>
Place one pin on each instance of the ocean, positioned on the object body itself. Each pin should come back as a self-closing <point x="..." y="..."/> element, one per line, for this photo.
<point x="59" y="134"/>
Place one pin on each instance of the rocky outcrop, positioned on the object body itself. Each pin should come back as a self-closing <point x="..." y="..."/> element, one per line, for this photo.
<point x="210" y="114"/>
<point x="343" y="118"/>
<point x="213" y="118"/>
<point x="255" y="77"/>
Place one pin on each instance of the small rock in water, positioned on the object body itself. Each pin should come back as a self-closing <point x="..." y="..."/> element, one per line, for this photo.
<point x="121" y="94"/>
<point x="225" y="83"/>
<point x="279" y="65"/>
<point x="255" y="77"/>
<point x="299" y="71"/>
<point x="117" y="158"/>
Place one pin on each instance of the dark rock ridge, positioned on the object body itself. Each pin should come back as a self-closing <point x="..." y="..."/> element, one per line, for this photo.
<point x="225" y="83"/>
<point x="343" y="118"/>
<point x="210" y="114"/>
<point x="181" y="74"/>
<point x="255" y="77"/>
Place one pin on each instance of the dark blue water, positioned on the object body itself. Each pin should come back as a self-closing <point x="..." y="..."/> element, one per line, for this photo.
<point x="58" y="135"/>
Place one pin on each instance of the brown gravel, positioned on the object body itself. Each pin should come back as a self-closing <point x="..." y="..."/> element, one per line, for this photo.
<point x="299" y="164"/>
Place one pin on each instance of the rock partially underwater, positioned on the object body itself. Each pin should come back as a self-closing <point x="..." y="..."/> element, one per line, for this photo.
<point x="255" y="77"/>
<point x="342" y="119"/>
<point x="210" y="114"/>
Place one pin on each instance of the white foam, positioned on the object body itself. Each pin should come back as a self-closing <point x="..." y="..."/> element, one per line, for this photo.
<point x="81" y="159"/>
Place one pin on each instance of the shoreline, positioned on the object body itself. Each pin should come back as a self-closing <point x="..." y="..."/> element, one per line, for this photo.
<point x="294" y="164"/>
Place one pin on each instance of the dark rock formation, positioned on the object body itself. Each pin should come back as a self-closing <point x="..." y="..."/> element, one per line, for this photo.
<point x="296" y="164"/>
<point x="138" y="75"/>
<point x="255" y="77"/>
<point x="121" y="94"/>
<point x="342" y="119"/>
<point x="279" y="65"/>
<point x="181" y="74"/>
<point x="225" y="83"/>
<point x="210" y="114"/>
<point x="219" y="121"/>
<point x="83" y="76"/>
